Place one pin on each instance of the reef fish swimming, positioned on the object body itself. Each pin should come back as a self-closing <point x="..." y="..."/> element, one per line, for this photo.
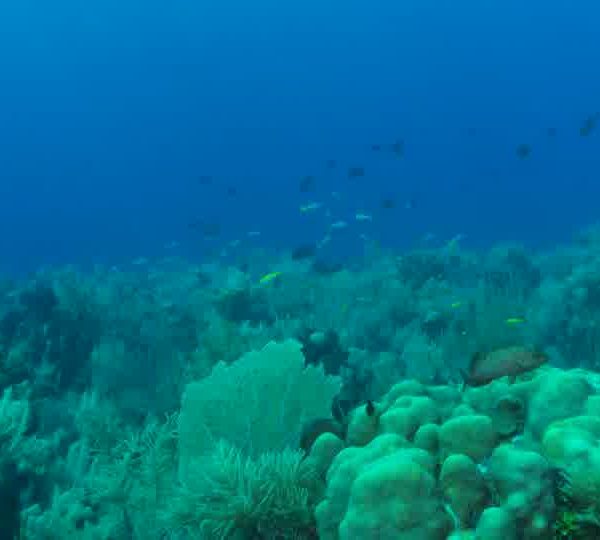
<point x="508" y="361"/>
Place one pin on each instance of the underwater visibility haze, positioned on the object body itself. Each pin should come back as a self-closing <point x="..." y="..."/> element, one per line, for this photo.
<point x="112" y="111"/>
<point x="299" y="271"/>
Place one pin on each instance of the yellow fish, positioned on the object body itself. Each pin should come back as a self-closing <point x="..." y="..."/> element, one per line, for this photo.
<point x="267" y="278"/>
<point x="456" y="305"/>
<point x="514" y="320"/>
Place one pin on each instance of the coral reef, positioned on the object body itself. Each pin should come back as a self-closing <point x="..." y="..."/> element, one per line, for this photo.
<point x="177" y="401"/>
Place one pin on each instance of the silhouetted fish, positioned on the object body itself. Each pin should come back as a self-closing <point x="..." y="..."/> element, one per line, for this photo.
<point x="207" y="229"/>
<point x="398" y="148"/>
<point x="523" y="151"/>
<point x="205" y="180"/>
<point x="306" y="184"/>
<point x="410" y="204"/>
<point x="315" y="428"/>
<point x="304" y="251"/>
<point x="589" y="125"/>
<point x="509" y="361"/>
<point x="388" y="203"/>
<point x="325" y="268"/>
<point x="376" y="147"/>
<point x="203" y="278"/>
<point x="356" y="172"/>
<point x="231" y="191"/>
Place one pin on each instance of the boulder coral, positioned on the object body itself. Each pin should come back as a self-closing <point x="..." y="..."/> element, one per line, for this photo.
<point x="385" y="490"/>
<point x="482" y="463"/>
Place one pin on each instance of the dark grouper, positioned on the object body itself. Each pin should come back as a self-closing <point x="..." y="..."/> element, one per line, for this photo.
<point x="509" y="361"/>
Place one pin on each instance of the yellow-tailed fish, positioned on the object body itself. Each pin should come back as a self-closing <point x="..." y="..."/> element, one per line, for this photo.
<point x="267" y="278"/>
<point x="514" y="320"/>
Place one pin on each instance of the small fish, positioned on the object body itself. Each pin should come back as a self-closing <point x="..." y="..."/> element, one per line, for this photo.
<point x="356" y="172"/>
<point x="267" y="278"/>
<point x="338" y="225"/>
<point x="456" y="305"/>
<point x="376" y="147"/>
<point x="398" y="148"/>
<point x="324" y="241"/>
<point x="306" y="184"/>
<point x="330" y="163"/>
<point x="207" y="229"/>
<point x="325" y="268"/>
<point x="589" y="125"/>
<point x="523" y="151"/>
<point x="231" y="191"/>
<point x="410" y="204"/>
<point x="509" y="361"/>
<point x="304" y="251"/>
<point x="253" y="234"/>
<point x="360" y="216"/>
<point x="428" y="238"/>
<point x="512" y="321"/>
<point x="388" y="203"/>
<point x="551" y="132"/>
<point x="310" y="207"/>
<point x="205" y="180"/>
<point x="204" y="278"/>
<point x="315" y="428"/>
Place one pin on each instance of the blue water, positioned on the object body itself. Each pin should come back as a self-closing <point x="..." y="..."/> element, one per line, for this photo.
<point x="111" y="111"/>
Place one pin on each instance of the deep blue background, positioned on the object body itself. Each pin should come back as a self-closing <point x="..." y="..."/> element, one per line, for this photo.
<point x="111" y="110"/>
